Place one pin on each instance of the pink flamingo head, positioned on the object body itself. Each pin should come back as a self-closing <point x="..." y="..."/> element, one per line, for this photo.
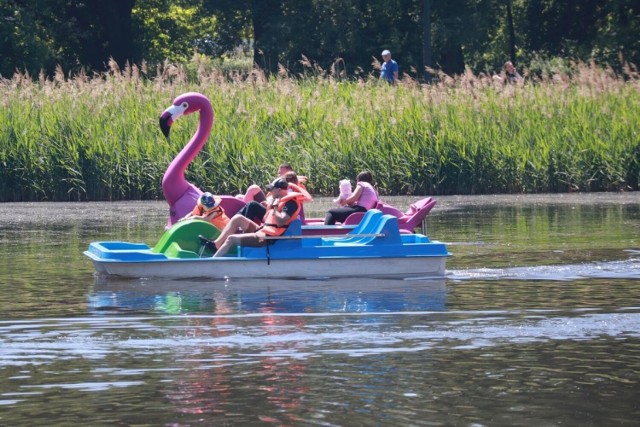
<point x="180" y="194"/>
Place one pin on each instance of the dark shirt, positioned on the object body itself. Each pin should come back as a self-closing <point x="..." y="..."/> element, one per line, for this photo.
<point x="290" y="207"/>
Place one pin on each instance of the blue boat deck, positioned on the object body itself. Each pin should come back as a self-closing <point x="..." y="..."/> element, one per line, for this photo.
<point x="377" y="236"/>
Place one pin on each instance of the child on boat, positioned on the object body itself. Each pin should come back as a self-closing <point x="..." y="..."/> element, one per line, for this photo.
<point x="345" y="191"/>
<point x="208" y="209"/>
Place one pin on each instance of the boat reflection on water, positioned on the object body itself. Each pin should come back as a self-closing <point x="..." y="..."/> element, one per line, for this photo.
<point x="349" y="295"/>
<point x="258" y="332"/>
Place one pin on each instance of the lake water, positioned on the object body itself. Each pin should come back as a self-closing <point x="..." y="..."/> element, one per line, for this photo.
<point x="536" y="323"/>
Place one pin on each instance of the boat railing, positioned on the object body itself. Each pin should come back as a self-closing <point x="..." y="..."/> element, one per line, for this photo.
<point x="322" y="237"/>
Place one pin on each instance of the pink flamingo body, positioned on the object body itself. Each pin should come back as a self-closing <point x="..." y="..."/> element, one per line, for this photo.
<point x="181" y="195"/>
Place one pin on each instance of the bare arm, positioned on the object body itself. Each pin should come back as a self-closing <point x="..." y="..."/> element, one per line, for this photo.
<point x="281" y="218"/>
<point x="355" y="196"/>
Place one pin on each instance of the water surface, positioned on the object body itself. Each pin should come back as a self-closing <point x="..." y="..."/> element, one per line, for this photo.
<point x="536" y="323"/>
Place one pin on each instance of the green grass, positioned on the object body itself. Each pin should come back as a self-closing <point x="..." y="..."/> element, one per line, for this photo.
<point x="98" y="138"/>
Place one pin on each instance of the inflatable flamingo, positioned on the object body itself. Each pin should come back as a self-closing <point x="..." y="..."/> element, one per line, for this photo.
<point x="179" y="193"/>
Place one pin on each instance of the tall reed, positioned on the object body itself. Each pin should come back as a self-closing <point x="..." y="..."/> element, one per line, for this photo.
<point x="97" y="137"/>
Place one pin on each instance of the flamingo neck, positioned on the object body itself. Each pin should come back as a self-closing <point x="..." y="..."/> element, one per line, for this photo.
<point x="174" y="184"/>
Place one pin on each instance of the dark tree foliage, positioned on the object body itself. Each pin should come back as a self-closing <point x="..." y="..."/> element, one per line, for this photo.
<point x="41" y="34"/>
<point x="479" y="34"/>
<point x="22" y="46"/>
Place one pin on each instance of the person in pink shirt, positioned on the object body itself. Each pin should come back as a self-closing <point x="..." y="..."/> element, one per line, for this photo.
<point x="363" y="198"/>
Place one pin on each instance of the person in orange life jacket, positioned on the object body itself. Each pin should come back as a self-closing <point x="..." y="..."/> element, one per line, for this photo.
<point x="282" y="210"/>
<point x="208" y="209"/>
<point x="256" y="211"/>
<point x="363" y="198"/>
<point x="255" y="193"/>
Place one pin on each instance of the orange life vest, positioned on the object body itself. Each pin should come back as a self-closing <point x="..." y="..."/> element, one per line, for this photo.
<point x="270" y="226"/>
<point x="302" y="190"/>
<point x="219" y="218"/>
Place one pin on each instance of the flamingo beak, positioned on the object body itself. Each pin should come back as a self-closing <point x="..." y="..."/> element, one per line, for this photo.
<point x="170" y="115"/>
<point x="165" y="123"/>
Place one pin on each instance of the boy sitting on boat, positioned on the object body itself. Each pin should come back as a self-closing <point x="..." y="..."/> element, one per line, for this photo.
<point x="208" y="209"/>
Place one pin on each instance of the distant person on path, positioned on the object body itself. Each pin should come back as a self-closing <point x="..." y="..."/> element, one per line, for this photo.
<point x="389" y="69"/>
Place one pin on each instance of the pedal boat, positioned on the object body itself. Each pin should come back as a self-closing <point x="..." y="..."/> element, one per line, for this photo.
<point x="375" y="247"/>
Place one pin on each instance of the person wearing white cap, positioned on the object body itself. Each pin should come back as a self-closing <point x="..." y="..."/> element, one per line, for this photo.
<point x="389" y="69"/>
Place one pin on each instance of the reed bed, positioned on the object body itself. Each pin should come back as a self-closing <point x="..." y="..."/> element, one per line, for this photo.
<point x="97" y="137"/>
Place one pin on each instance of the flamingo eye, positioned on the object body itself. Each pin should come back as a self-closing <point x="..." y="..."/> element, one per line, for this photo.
<point x="185" y="105"/>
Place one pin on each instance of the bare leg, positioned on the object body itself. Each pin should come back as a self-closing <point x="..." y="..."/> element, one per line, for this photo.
<point x="254" y="192"/>
<point x="238" y="221"/>
<point x="229" y="243"/>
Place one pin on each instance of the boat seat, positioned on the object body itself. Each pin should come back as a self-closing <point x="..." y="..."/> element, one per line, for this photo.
<point x="385" y="224"/>
<point x="413" y="217"/>
<point x="407" y="221"/>
<point x="354" y="218"/>
<point x="387" y="209"/>
<point x="231" y="205"/>
<point x="416" y="215"/>
<point x="369" y="220"/>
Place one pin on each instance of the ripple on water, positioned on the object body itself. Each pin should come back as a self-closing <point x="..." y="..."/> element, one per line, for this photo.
<point x="356" y="336"/>
<point x="624" y="269"/>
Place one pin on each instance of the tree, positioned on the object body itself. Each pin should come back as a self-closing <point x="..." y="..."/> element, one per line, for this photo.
<point x="512" y="33"/>
<point x="451" y="35"/>
<point x="427" y="56"/>
<point x="38" y="35"/>
<point x="172" y="29"/>
<point x="113" y="33"/>
<point x="22" y="46"/>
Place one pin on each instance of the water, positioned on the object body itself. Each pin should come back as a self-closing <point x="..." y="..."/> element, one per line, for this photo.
<point x="536" y="323"/>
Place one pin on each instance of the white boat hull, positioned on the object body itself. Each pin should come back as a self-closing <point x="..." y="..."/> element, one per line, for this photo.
<point x="376" y="249"/>
<point x="238" y="268"/>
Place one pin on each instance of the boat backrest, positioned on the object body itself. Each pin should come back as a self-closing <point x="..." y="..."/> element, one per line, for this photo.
<point x="354" y="218"/>
<point x="417" y="205"/>
<point x="391" y="230"/>
<point x="385" y="224"/>
<point x="231" y="205"/>
<point x="368" y="221"/>
<point x="301" y="215"/>
<point x="294" y="229"/>
<point x="185" y="235"/>
<point x="410" y="222"/>
<point x="387" y="209"/>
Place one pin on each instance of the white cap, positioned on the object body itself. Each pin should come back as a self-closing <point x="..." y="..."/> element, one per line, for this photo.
<point x="385" y="52"/>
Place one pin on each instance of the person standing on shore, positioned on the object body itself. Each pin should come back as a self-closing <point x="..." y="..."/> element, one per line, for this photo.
<point x="389" y="69"/>
<point x="511" y="74"/>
